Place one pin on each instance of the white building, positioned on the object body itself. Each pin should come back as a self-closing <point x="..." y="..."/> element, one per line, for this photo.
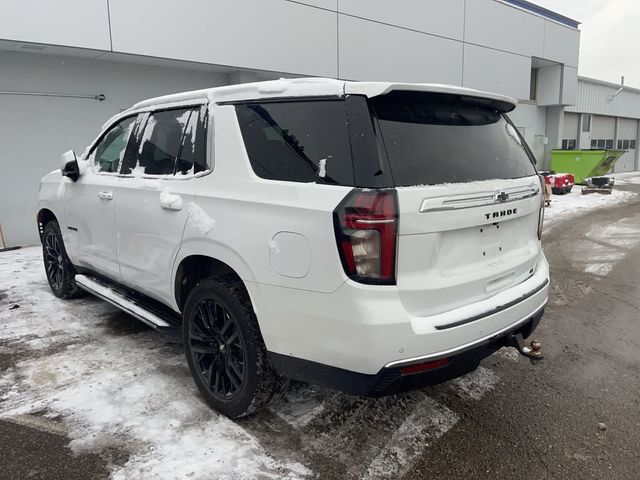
<point x="67" y="65"/>
<point x="605" y="115"/>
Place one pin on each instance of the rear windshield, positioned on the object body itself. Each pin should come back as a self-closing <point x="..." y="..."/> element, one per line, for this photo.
<point x="432" y="139"/>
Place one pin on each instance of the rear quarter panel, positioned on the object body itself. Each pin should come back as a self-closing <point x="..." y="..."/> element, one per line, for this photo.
<point x="242" y="214"/>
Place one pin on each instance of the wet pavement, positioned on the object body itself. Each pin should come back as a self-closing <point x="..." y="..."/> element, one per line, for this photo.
<point x="575" y="415"/>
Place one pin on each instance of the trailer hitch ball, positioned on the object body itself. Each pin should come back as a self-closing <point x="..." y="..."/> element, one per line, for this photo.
<point x="536" y="348"/>
<point x="532" y="351"/>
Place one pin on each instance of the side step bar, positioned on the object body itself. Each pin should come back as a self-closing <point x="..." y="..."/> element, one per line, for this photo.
<point x="127" y="302"/>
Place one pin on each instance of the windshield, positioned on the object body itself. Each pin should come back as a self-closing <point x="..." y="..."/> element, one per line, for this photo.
<point x="434" y="138"/>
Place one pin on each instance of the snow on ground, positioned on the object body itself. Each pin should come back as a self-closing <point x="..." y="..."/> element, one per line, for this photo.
<point x="110" y="383"/>
<point x="626" y="178"/>
<point x="86" y="369"/>
<point x="132" y="391"/>
<point x="604" y="246"/>
<point x="575" y="203"/>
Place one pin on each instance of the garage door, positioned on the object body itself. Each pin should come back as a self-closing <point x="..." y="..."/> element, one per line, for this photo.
<point x="627" y="132"/>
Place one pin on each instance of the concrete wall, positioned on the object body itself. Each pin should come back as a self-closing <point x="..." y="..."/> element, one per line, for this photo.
<point x="34" y="131"/>
<point x="483" y="44"/>
<point x="531" y="120"/>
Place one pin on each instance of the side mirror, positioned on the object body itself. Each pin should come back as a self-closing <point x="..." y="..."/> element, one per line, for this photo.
<point x="69" y="167"/>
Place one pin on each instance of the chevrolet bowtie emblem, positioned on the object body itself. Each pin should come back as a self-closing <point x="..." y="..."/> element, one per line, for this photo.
<point x="501" y="197"/>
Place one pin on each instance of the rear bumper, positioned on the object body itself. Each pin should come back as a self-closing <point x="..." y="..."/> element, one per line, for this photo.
<point x="395" y="378"/>
<point x="365" y="329"/>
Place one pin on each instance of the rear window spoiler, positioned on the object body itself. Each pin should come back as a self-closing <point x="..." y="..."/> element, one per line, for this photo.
<point x="501" y="103"/>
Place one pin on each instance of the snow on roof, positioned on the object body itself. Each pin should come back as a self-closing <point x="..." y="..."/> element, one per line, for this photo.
<point x="300" y="87"/>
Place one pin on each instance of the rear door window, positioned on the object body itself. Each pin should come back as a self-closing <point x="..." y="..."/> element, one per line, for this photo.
<point x="172" y="142"/>
<point x="298" y="141"/>
<point x="436" y="138"/>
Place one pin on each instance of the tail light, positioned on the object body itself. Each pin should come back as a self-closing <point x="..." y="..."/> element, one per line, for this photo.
<point x="366" y="225"/>
<point x="541" y="212"/>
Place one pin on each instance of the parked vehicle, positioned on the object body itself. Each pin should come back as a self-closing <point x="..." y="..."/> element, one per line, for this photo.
<point x="369" y="237"/>
<point x="561" y="183"/>
<point x="598" y="185"/>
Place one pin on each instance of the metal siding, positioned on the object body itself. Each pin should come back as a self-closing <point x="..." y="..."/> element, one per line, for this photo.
<point x="594" y="98"/>
<point x="570" y="126"/>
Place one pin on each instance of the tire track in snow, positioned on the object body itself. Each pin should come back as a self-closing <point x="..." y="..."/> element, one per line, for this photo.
<point x="604" y="247"/>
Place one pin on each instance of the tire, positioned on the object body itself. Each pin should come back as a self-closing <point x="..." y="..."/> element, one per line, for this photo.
<point x="569" y="189"/>
<point x="225" y="351"/>
<point x="57" y="266"/>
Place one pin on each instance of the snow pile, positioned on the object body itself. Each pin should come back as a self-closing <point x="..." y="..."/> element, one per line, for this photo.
<point x="322" y="168"/>
<point x="170" y="200"/>
<point x="274" y="246"/>
<point x="200" y="220"/>
<point x="575" y="204"/>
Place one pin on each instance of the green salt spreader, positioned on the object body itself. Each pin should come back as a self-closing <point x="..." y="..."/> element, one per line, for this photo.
<point x="584" y="163"/>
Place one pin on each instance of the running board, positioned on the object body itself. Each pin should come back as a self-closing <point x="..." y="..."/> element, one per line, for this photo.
<point x="128" y="302"/>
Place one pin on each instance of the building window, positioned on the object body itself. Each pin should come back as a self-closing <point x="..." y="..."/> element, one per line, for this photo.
<point x="533" y="85"/>
<point x="601" y="143"/>
<point x="625" y="145"/>
<point x="569" y="144"/>
<point x="594" y="143"/>
<point x="619" y="144"/>
<point x="608" y="144"/>
<point x="586" y="122"/>
<point x="632" y="144"/>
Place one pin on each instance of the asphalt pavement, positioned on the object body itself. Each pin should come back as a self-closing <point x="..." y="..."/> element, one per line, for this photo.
<point x="575" y="415"/>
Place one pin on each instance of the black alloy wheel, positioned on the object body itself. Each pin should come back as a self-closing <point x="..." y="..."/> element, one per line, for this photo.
<point x="217" y="348"/>
<point x="58" y="268"/>
<point x="225" y="351"/>
<point x="53" y="260"/>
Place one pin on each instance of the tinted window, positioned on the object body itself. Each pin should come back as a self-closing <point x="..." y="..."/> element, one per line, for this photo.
<point x="192" y="157"/>
<point x="305" y="141"/>
<point x="171" y="141"/>
<point x="109" y="151"/>
<point x="436" y="138"/>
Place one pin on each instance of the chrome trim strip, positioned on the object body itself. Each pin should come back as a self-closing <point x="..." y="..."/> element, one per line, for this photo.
<point x="448" y="205"/>
<point x="457" y="350"/>
<point x="375" y="222"/>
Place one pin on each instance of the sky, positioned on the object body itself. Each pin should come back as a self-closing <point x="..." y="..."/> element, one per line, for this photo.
<point x="610" y="38"/>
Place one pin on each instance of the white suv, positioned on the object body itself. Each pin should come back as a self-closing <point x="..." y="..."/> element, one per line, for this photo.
<point x="369" y="237"/>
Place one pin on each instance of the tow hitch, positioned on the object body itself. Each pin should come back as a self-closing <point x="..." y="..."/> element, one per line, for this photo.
<point x="533" y="351"/>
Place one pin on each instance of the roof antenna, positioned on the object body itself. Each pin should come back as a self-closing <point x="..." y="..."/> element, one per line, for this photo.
<point x="617" y="92"/>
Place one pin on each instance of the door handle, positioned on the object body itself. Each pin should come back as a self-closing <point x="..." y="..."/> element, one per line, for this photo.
<point x="106" y="195"/>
